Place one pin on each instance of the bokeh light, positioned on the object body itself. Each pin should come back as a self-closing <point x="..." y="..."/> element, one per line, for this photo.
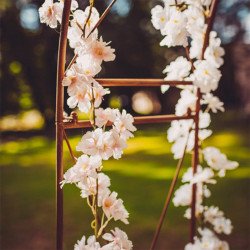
<point x="29" y="17"/>
<point x="122" y="7"/>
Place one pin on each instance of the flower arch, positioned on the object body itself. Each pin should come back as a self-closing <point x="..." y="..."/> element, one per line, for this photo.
<point x="182" y="23"/>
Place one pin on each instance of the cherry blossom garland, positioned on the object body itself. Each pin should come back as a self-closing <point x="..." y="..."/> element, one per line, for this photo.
<point x="96" y="146"/>
<point x="183" y="23"/>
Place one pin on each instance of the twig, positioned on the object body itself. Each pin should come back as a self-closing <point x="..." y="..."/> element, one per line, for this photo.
<point x="69" y="146"/>
<point x="91" y="3"/>
<point x="93" y="106"/>
<point x="188" y="57"/>
<point x="169" y="195"/>
<point x="96" y="210"/>
<point x="94" y="28"/>
<point x="210" y="23"/>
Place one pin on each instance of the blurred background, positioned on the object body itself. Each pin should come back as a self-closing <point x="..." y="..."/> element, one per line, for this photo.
<point x="28" y="75"/>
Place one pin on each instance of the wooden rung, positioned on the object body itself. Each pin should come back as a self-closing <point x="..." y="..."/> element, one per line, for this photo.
<point x="160" y="118"/>
<point x="124" y="82"/>
<point x="138" y="120"/>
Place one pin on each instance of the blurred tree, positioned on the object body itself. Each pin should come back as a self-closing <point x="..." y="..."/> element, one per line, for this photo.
<point x="28" y="58"/>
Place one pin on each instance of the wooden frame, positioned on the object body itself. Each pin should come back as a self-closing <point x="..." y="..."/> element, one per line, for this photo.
<point x="63" y="124"/>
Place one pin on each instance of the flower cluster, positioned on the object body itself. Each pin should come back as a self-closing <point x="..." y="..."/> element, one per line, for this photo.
<point x="184" y="23"/>
<point x="117" y="240"/>
<point x="100" y="144"/>
<point x="208" y="240"/>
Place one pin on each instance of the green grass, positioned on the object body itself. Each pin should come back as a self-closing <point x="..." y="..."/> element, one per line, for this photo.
<point x="142" y="178"/>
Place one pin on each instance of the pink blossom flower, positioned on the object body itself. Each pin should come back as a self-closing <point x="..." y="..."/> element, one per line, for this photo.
<point x="124" y="124"/>
<point x="113" y="207"/>
<point x="96" y="142"/>
<point x="118" y="240"/>
<point x="99" y="93"/>
<point x="100" y="51"/>
<point x="103" y="116"/>
<point x="80" y="98"/>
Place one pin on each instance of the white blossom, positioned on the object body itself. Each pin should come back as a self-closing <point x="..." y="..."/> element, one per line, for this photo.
<point x="100" y="51"/>
<point x="199" y="208"/>
<point x="216" y="217"/>
<point x="182" y="133"/>
<point x="222" y="225"/>
<point x="73" y="80"/>
<point x="208" y="241"/>
<point x="205" y="176"/>
<point x="159" y="17"/>
<point x="183" y="195"/>
<point x="195" y="50"/>
<point x="78" y="42"/>
<point x="80" y="98"/>
<point x="59" y="6"/>
<point x="96" y="49"/>
<point x="187" y="101"/>
<point x="103" y="116"/>
<point x="124" y="124"/>
<point x="218" y="161"/>
<point x="87" y="67"/>
<point x="202" y="175"/>
<point x="195" y="20"/>
<point x="178" y="69"/>
<point x="85" y="167"/>
<point x="90" y="245"/>
<point x="75" y="36"/>
<point x="206" y="76"/>
<point x="80" y="17"/>
<point x="96" y="142"/>
<point x="178" y="129"/>
<point x="213" y="103"/>
<point x="214" y="52"/>
<point x="118" y="240"/>
<point x="113" y="207"/>
<point x="118" y="144"/>
<point x="175" y="31"/>
<point x="99" y="92"/>
<point x="164" y="88"/>
<point x="103" y="144"/>
<point x="49" y="13"/>
<point x="89" y="186"/>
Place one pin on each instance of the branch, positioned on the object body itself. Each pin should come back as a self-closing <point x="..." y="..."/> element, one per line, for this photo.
<point x="210" y="23"/>
<point x="69" y="147"/>
<point x="169" y="195"/>
<point x="105" y="13"/>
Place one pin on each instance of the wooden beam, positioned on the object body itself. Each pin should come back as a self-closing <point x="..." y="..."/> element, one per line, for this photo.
<point x="125" y="82"/>
<point x="138" y="120"/>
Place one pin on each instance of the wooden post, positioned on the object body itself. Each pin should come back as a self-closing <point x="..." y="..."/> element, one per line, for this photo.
<point x="195" y="159"/>
<point x="195" y="162"/>
<point x="61" y="60"/>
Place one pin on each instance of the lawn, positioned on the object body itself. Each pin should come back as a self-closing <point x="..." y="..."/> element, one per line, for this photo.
<point x="142" y="178"/>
